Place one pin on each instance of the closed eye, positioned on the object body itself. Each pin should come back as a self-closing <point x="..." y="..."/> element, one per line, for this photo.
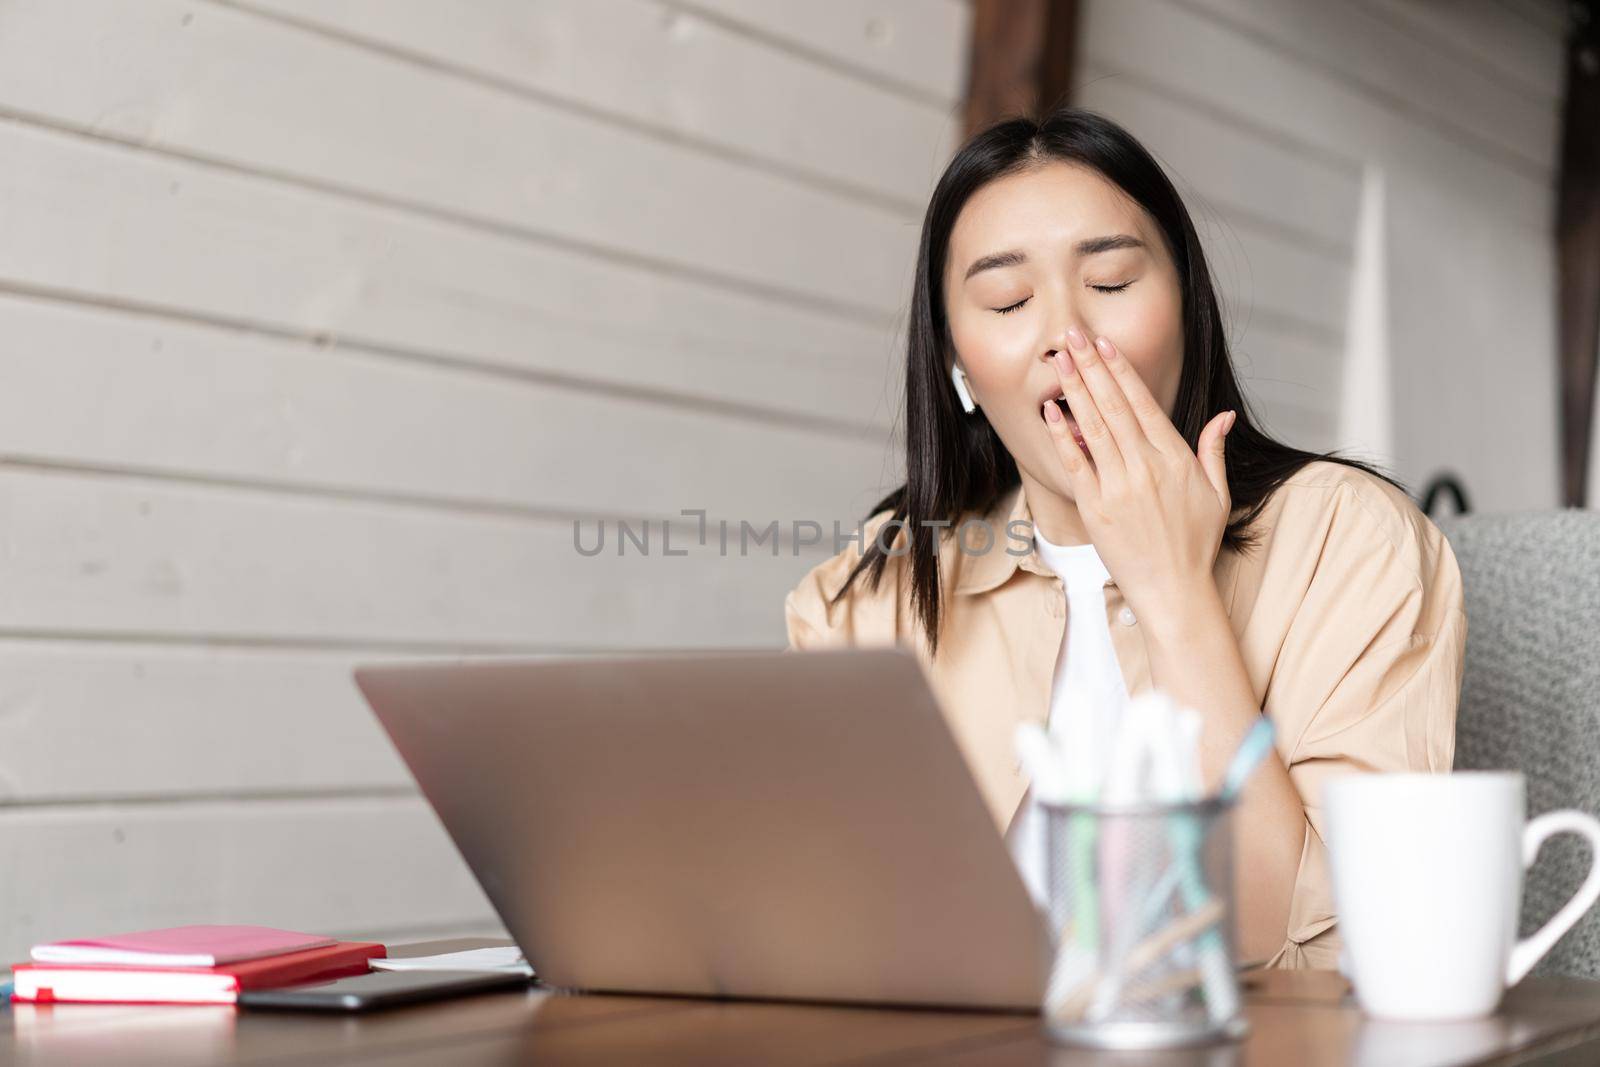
<point x="1096" y="288"/>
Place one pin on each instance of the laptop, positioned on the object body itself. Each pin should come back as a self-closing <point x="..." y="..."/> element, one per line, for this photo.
<point x="795" y="825"/>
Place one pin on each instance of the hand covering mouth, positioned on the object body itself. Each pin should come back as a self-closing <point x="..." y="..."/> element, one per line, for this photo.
<point x="1072" y="423"/>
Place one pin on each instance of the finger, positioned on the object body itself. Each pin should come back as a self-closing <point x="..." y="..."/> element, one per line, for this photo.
<point x="1096" y="433"/>
<point x="1085" y="486"/>
<point x="1109" y="399"/>
<point x="1154" y="420"/>
<point x="1212" y="454"/>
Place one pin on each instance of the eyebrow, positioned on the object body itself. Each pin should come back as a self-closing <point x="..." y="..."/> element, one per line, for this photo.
<point x="1086" y="247"/>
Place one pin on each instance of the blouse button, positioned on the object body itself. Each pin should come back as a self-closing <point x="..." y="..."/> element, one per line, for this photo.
<point x="1127" y="617"/>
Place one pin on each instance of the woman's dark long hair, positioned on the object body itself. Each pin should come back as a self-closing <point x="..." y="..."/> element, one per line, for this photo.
<point x="955" y="462"/>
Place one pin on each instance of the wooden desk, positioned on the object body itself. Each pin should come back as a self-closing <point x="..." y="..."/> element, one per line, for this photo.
<point x="1302" y="1019"/>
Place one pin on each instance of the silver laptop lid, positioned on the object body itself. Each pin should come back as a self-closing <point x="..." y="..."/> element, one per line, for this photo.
<point x="785" y="824"/>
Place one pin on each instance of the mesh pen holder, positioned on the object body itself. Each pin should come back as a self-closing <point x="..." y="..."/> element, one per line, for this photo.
<point x="1140" y="900"/>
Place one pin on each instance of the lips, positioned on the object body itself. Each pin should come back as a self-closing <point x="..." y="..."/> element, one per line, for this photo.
<point x="1078" y="437"/>
<point x="1072" y="423"/>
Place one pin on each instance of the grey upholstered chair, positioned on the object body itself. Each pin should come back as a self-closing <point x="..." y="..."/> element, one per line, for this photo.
<point x="1530" y="696"/>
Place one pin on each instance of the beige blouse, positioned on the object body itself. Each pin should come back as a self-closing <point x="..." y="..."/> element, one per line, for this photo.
<point x="1349" y="616"/>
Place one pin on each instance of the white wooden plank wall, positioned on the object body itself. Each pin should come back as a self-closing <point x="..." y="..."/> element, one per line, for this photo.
<point x="321" y="321"/>
<point x="1271" y="112"/>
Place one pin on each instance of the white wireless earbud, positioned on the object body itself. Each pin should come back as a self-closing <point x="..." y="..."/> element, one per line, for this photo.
<point x="959" y="377"/>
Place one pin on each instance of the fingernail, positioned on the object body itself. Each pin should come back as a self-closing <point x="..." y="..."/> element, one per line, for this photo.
<point x="1074" y="338"/>
<point x="1107" y="349"/>
<point x="1233" y="417"/>
<point x="1051" y="412"/>
<point x="1064" y="361"/>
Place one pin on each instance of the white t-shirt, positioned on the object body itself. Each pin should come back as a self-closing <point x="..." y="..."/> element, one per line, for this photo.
<point x="1088" y="680"/>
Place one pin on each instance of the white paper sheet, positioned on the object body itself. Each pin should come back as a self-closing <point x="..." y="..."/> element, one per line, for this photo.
<point x="506" y="959"/>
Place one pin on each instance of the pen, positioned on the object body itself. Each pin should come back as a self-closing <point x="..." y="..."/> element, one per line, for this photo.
<point x="1179" y="776"/>
<point x="1076" y="951"/>
<point x="1046" y="775"/>
<point x="1252" y="750"/>
<point x="1120" y="889"/>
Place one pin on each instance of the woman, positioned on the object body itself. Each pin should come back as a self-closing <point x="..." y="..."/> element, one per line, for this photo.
<point x="1069" y="389"/>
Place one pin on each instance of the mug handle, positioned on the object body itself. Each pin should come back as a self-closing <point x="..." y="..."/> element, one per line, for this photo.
<point x="1531" y="950"/>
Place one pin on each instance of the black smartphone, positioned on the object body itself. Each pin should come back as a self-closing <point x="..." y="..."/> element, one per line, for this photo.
<point x="378" y="989"/>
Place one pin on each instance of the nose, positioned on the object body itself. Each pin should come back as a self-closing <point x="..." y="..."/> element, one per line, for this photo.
<point x="1057" y="339"/>
<point x="1064" y="317"/>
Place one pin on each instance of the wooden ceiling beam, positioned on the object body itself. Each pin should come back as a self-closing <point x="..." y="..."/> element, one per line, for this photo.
<point x="1578" y="249"/>
<point x="1021" y="59"/>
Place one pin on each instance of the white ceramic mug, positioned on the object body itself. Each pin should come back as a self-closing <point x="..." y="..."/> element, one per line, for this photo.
<point x="1427" y="882"/>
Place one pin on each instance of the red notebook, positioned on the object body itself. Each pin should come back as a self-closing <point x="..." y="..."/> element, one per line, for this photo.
<point x="205" y="945"/>
<point x="113" y="984"/>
